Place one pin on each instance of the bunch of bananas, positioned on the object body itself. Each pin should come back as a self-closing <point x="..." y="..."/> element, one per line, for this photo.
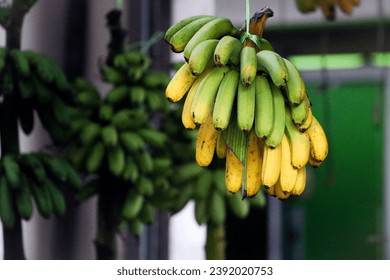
<point x="328" y="7"/>
<point x="34" y="176"/>
<point x="36" y="83"/>
<point x="249" y="103"/>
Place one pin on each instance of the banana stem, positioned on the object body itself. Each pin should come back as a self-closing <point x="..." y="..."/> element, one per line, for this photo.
<point x="215" y="242"/>
<point x="12" y="237"/>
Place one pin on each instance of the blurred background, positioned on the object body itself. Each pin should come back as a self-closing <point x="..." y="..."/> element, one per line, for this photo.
<point x="345" y="210"/>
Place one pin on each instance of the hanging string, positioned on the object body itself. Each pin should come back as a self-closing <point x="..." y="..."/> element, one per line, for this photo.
<point x="247" y="35"/>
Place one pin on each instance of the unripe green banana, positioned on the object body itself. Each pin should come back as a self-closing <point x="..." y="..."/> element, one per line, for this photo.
<point x="124" y="119"/>
<point x="146" y="215"/>
<point x="278" y="126"/>
<point x="56" y="197"/>
<point x="109" y="136"/>
<point x="201" y="56"/>
<point x="273" y="64"/>
<point x="214" y="29"/>
<point x="54" y="167"/>
<point x="132" y="142"/>
<point x="145" y="186"/>
<point x="248" y="65"/>
<point x="137" y="94"/>
<point x="264" y="108"/>
<point x="228" y="49"/>
<point x="246" y="106"/>
<point x="33" y="167"/>
<point x="95" y="157"/>
<point x="187" y="171"/>
<point x="132" y="205"/>
<point x="106" y="112"/>
<point x="89" y="133"/>
<point x="225" y="99"/>
<point x="217" y="208"/>
<point x="11" y="171"/>
<point x="135" y="226"/>
<point x="116" y="160"/>
<point x="145" y="162"/>
<point x="154" y="138"/>
<point x="180" y="25"/>
<point x="204" y="98"/>
<point x="296" y="90"/>
<point x="201" y="211"/>
<point x="240" y="207"/>
<point x="266" y="45"/>
<point x="300" y="112"/>
<point x="23" y="201"/>
<point x="181" y="38"/>
<point x="6" y="204"/>
<point x="203" y="185"/>
<point x="21" y="62"/>
<point x="42" y="199"/>
<point x="117" y="94"/>
<point x="130" y="172"/>
<point x="112" y="75"/>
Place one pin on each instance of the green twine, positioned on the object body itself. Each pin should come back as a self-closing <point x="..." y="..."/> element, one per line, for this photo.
<point x="247" y="35"/>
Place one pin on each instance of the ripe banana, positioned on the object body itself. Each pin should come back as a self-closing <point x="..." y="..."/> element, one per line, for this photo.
<point x="246" y="106"/>
<point x="296" y="90"/>
<point x="203" y="102"/>
<point x="270" y="169"/>
<point x="273" y="64"/>
<point x="233" y="172"/>
<point x="279" y="193"/>
<point x="278" y="126"/>
<point x="180" y="83"/>
<point x="264" y="108"/>
<point x="201" y="56"/>
<point x="248" y="65"/>
<point x="206" y="142"/>
<point x="318" y="141"/>
<point x="228" y="49"/>
<point x="179" y="25"/>
<point x="225" y="99"/>
<point x="300" y="183"/>
<point x="181" y="38"/>
<point x="299" y="142"/>
<point x="186" y="116"/>
<point x="288" y="174"/>
<point x="254" y="161"/>
<point x="307" y="122"/>
<point x="214" y="29"/>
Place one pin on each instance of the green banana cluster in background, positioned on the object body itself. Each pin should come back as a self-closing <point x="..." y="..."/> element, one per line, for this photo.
<point x="34" y="178"/>
<point x="38" y="84"/>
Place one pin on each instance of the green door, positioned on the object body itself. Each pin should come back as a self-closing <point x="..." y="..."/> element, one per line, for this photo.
<point x="340" y="215"/>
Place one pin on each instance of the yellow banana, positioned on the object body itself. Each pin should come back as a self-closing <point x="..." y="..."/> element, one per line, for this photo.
<point x="300" y="183"/>
<point x="273" y="64"/>
<point x="221" y="147"/>
<point x="279" y="193"/>
<point x="233" y="172"/>
<point x="254" y="162"/>
<point x="288" y="174"/>
<point x="248" y="65"/>
<point x="215" y="29"/>
<point x="180" y="25"/>
<point x="246" y="106"/>
<point x="264" y="108"/>
<point x="206" y="142"/>
<point x="201" y="55"/>
<point x="203" y="102"/>
<point x="278" y="125"/>
<point x="180" y="83"/>
<point x="271" y="190"/>
<point x="296" y="90"/>
<point x="318" y="141"/>
<point x="228" y="49"/>
<point x="270" y="170"/>
<point x="225" y="99"/>
<point x="186" y="115"/>
<point x="346" y="6"/>
<point x="181" y="38"/>
<point x="307" y="122"/>
<point x="313" y="163"/>
<point x="299" y="143"/>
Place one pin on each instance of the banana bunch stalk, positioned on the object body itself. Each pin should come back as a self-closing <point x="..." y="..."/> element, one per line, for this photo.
<point x="328" y="7"/>
<point x="250" y="104"/>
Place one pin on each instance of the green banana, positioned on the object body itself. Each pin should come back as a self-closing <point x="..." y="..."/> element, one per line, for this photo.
<point x="43" y="65"/>
<point x="54" y="167"/>
<point x="248" y="65"/>
<point x="132" y="205"/>
<point x="135" y="227"/>
<point x="186" y="172"/>
<point x="146" y="215"/>
<point x="116" y="160"/>
<point x="217" y="208"/>
<point x="264" y="108"/>
<point x="109" y="136"/>
<point x="42" y="199"/>
<point x="112" y="75"/>
<point x="23" y="201"/>
<point x="273" y="64"/>
<point x="145" y="186"/>
<point x="201" y="211"/>
<point x="106" y="112"/>
<point x="154" y="138"/>
<point x="162" y="165"/>
<point x="131" y="142"/>
<point x="11" y="171"/>
<point x="295" y="85"/>
<point x="145" y="162"/>
<point x="246" y="106"/>
<point x="20" y="62"/>
<point x="72" y="176"/>
<point x="89" y="133"/>
<point x="179" y="25"/>
<point x="181" y="38"/>
<point x="266" y="45"/>
<point x="56" y="197"/>
<point x="225" y="99"/>
<point x="130" y="172"/>
<point x="278" y="126"/>
<point x="117" y="94"/>
<point x="201" y="56"/>
<point x="204" y="98"/>
<point x="32" y="166"/>
<point x="95" y="157"/>
<point x="300" y="112"/>
<point x="203" y="185"/>
<point x="6" y="204"/>
<point x="137" y="94"/>
<point x="228" y="49"/>
<point x="240" y="207"/>
<point x="214" y="29"/>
